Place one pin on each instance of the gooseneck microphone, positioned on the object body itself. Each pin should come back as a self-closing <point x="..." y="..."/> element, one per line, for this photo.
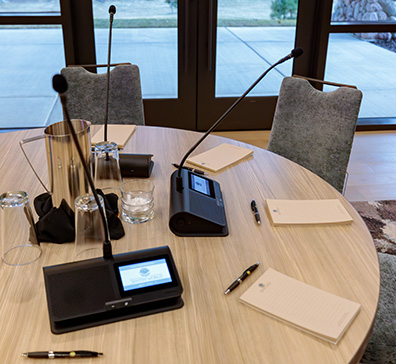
<point x="295" y="53"/>
<point x="131" y="165"/>
<point x="60" y="85"/>
<point x="112" y="11"/>
<point x="196" y="202"/>
<point x="97" y="291"/>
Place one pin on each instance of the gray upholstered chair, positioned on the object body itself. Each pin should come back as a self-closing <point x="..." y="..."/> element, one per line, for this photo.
<point x="381" y="346"/>
<point x="315" y="129"/>
<point x="86" y="95"/>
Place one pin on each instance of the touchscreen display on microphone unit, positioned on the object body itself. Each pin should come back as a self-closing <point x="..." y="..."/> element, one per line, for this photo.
<point x="144" y="274"/>
<point x="201" y="185"/>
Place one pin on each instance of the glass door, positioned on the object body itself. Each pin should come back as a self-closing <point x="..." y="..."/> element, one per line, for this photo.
<point x="197" y="57"/>
<point x="160" y="37"/>
<point x="353" y="42"/>
<point x="32" y="50"/>
<point x="238" y="41"/>
<point x="365" y="36"/>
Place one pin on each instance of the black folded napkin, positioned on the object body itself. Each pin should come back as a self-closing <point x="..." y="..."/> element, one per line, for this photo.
<point x="116" y="229"/>
<point x="56" y="224"/>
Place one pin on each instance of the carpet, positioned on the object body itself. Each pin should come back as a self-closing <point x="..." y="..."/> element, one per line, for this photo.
<point x="380" y="218"/>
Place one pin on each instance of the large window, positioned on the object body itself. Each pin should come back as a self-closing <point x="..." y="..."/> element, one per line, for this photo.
<point x="144" y="33"/>
<point x="252" y="35"/>
<point x="30" y="57"/>
<point x="194" y="57"/>
<point x="242" y="40"/>
<point x="368" y="66"/>
<point x="353" y="42"/>
<point x="197" y="57"/>
<point x="366" y="57"/>
<point x="32" y="51"/>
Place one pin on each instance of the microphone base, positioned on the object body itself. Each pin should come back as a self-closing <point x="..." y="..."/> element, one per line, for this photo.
<point x="136" y="165"/>
<point x="198" y="209"/>
<point x="132" y="165"/>
<point x="91" y="292"/>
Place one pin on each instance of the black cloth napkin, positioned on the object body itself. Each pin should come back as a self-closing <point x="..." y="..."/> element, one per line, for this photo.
<point x="56" y="224"/>
<point x="116" y="229"/>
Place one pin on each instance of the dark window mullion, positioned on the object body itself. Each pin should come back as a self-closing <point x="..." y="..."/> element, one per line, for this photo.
<point x="361" y="27"/>
<point x="30" y="19"/>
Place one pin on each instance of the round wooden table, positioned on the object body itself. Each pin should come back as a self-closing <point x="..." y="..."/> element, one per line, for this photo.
<point x="211" y="327"/>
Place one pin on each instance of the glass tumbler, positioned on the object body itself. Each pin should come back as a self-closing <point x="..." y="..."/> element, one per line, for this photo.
<point x="107" y="166"/>
<point x="90" y="233"/>
<point x="19" y="245"/>
<point x="137" y="201"/>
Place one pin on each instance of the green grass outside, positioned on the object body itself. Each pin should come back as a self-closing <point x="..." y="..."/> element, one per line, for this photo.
<point x="172" y="23"/>
<point x="162" y="23"/>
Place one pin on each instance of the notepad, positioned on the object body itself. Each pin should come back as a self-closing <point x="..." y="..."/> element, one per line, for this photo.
<point x="305" y="307"/>
<point x="119" y="134"/>
<point x="220" y="157"/>
<point x="284" y="212"/>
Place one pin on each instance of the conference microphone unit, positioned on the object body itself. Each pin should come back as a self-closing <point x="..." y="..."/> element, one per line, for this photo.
<point x="94" y="292"/>
<point x="112" y="11"/>
<point x="196" y="203"/>
<point x="59" y="84"/>
<point x="102" y="290"/>
<point x="131" y="165"/>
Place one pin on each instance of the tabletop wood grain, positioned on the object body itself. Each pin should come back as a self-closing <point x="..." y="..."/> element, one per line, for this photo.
<point x="211" y="327"/>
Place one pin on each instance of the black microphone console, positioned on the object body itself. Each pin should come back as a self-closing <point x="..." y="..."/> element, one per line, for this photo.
<point x="196" y="204"/>
<point x="198" y="210"/>
<point x="98" y="291"/>
<point x="136" y="165"/>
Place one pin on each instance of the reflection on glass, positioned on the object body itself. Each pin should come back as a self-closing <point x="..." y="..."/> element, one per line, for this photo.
<point x="29" y="59"/>
<point x="29" y="6"/>
<point x="369" y="67"/>
<point x="145" y="34"/>
<point x="363" y="11"/>
<point x="252" y="35"/>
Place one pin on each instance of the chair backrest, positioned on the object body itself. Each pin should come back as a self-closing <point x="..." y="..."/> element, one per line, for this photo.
<point x="86" y="95"/>
<point x="315" y="129"/>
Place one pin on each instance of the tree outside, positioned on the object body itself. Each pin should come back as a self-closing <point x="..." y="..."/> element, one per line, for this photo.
<point x="284" y="9"/>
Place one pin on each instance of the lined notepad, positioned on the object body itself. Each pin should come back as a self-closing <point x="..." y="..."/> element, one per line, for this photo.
<point x="307" y="212"/>
<point x="220" y="157"/>
<point x="305" y="307"/>
<point x="118" y="134"/>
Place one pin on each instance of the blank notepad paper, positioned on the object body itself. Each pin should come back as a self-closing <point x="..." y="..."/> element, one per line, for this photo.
<point x="118" y="134"/>
<point x="283" y="212"/>
<point x="305" y="307"/>
<point x="220" y="157"/>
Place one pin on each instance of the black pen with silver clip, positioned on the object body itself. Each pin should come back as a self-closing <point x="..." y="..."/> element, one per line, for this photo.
<point x="240" y="279"/>
<point x="253" y="206"/>
<point x="198" y="171"/>
<point x="61" y="354"/>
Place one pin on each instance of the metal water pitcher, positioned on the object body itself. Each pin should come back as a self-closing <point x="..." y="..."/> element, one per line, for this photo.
<point x="65" y="171"/>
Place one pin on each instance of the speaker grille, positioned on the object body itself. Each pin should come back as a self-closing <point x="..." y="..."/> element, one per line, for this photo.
<point x="78" y="293"/>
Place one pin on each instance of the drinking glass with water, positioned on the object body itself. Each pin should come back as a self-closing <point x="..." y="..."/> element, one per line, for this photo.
<point x="137" y="201"/>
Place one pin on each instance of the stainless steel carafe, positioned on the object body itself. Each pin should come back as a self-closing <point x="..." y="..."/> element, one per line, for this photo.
<point x="65" y="170"/>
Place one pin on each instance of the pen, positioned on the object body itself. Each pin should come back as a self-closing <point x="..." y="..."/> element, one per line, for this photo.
<point x="61" y="354"/>
<point x="241" y="278"/>
<point x="198" y="171"/>
<point x="255" y="211"/>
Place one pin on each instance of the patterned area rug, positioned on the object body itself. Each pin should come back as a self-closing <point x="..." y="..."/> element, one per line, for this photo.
<point x="380" y="218"/>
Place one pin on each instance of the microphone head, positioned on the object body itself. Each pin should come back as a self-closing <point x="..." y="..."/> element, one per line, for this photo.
<point x="59" y="83"/>
<point x="296" y="52"/>
<point x="112" y="9"/>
